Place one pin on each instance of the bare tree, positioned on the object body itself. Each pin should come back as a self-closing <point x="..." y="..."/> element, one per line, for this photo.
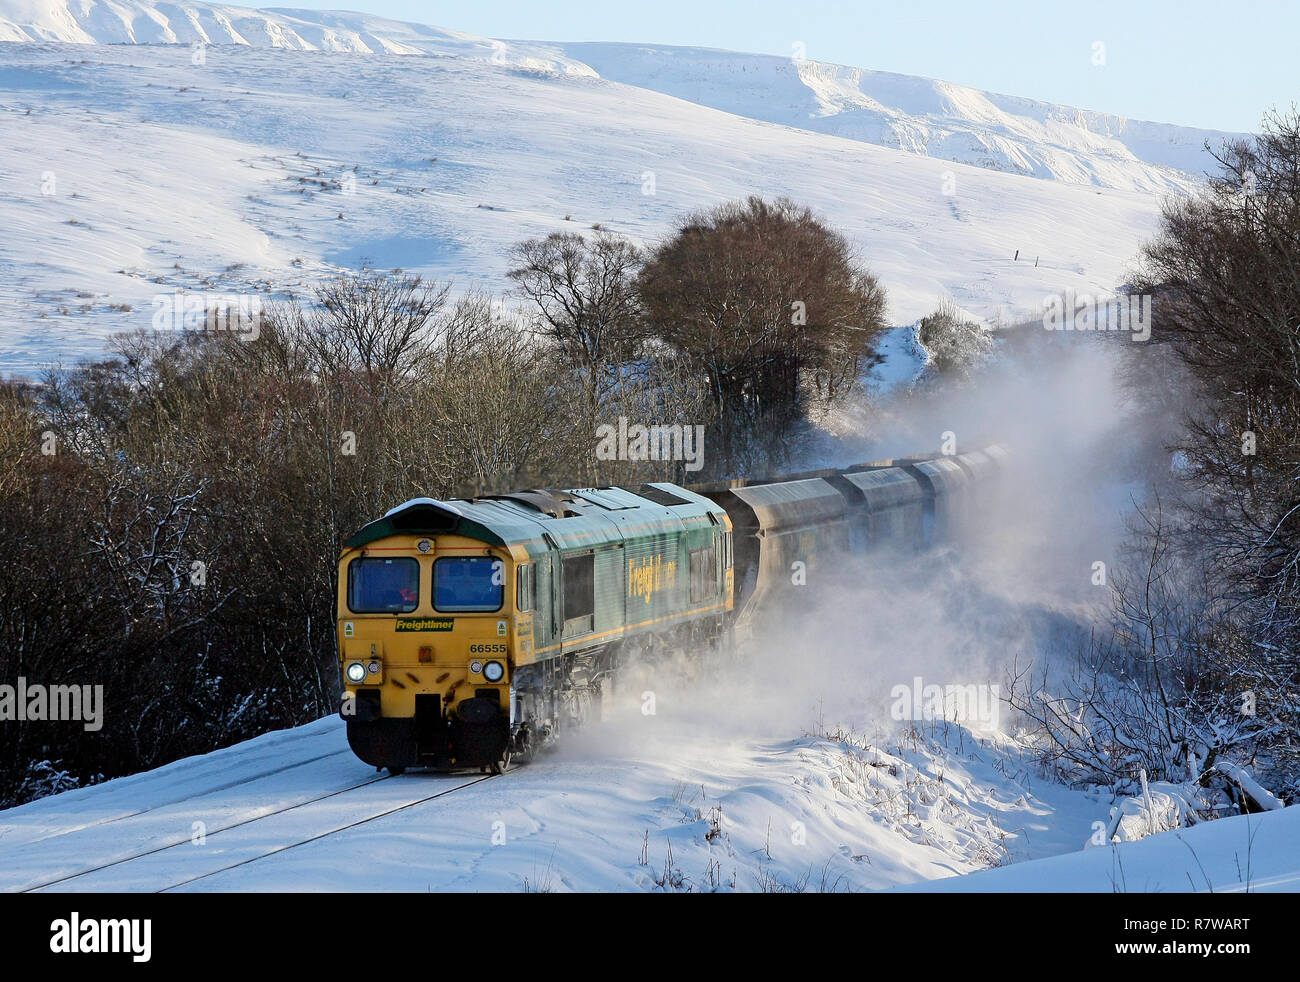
<point x="769" y="304"/>
<point x="584" y="299"/>
<point x="1174" y="692"/>
<point x="377" y="324"/>
<point x="1224" y="272"/>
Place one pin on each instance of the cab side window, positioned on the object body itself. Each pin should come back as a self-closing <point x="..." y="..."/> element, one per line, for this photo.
<point x="526" y="587"/>
<point x="703" y="574"/>
<point x="579" y="586"/>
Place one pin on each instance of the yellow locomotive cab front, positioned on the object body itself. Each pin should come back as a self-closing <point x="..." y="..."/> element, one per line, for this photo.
<point x="427" y="637"/>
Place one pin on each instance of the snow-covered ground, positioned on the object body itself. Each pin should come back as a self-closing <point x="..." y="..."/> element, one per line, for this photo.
<point x="130" y="171"/>
<point x="1242" y="854"/>
<point x="649" y="805"/>
<point x="643" y="804"/>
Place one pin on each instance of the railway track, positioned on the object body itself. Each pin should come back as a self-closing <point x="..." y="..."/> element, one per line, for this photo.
<point x="322" y="835"/>
<point x="187" y="841"/>
<point x="175" y="801"/>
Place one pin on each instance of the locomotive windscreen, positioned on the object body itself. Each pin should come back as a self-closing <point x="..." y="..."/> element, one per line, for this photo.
<point x="468" y="584"/>
<point x="383" y="586"/>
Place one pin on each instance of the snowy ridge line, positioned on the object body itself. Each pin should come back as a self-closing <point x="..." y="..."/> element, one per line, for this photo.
<point x="917" y="115"/>
<point x="194" y="797"/>
<point x="322" y="835"/>
<point x="925" y="116"/>
<point x="151" y="22"/>
<point x="224" y="828"/>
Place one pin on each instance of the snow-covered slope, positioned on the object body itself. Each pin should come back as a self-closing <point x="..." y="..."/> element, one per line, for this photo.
<point x="151" y="22"/>
<point x="302" y="142"/>
<point x="1241" y="854"/>
<point x="919" y="115"/>
<point x="130" y="171"/>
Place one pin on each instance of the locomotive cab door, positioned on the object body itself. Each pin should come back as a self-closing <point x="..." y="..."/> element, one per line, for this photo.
<point x="546" y="590"/>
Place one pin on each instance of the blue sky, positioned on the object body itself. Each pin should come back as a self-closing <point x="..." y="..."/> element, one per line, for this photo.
<point x="1198" y="63"/>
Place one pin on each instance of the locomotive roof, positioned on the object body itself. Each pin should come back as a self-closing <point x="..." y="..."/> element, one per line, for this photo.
<point x="587" y="516"/>
<point x="570" y="519"/>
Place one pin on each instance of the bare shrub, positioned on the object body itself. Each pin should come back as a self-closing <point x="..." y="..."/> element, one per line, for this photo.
<point x="954" y="346"/>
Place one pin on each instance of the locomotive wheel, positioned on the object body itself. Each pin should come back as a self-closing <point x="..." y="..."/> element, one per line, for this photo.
<point x="503" y="765"/>
<point x="522" y="746"/>
<point x="396" y="771"/>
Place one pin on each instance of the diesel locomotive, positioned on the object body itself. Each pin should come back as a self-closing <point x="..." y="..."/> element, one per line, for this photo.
<point x="471" y="631"/>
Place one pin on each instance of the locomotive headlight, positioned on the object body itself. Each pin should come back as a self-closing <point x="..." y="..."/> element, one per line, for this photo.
<point x="493" y="671"/>
<point x="356" y="672"/>
<point x="475" y="667"/>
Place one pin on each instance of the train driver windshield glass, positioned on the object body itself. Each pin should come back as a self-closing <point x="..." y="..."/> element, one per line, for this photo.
<point x="468" y="584"/>
<point x="383" y="586"/>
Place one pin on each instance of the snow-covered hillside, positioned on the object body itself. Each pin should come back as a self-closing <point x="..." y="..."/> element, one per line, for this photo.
<point x="130" y="171"/>
<point x="918" y="115"/>
<point x="146" y="22"/>
<point x="303" y="142"/>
